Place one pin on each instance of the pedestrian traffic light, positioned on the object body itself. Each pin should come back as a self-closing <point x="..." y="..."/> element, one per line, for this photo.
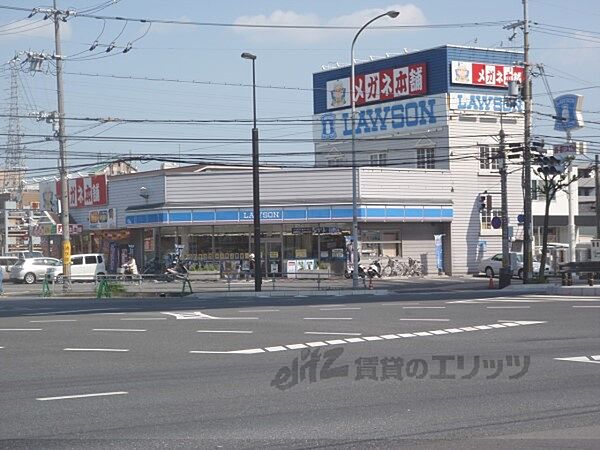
<point x="482" y="202"/>
<point x="514" y="151"/>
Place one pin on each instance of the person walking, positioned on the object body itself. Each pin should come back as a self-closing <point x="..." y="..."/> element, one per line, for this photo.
<point x="1" y="280"/>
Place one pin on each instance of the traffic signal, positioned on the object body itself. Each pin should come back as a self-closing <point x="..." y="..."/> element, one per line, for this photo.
<point x="514" y="151"/>
<point x="551" y="165"/>
<point x="485" y="202"/>
<point x="482" y="202"/>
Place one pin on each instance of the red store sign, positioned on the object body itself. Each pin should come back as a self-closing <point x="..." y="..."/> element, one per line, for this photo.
<point x="387" y="84"/>
<point x="86" y="191"/>
<point x="481" y="74"/>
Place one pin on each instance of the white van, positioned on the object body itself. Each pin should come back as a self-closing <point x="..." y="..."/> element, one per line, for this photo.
<point x="84" y="267"/>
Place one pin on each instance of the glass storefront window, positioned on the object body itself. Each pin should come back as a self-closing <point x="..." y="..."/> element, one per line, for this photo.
<point x="377" y="244"/>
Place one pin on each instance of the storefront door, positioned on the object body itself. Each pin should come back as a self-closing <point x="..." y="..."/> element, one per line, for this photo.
<point x="271" y="256"/>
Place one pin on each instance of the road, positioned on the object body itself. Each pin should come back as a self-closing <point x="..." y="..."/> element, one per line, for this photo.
<point x="356" y="372"/>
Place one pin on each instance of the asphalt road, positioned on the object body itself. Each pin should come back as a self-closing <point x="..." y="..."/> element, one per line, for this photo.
<point x="413" y="370"/>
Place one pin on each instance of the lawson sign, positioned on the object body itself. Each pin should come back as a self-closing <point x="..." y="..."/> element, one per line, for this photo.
<point x="484" y="103"/>
<point x="388" y="118"/>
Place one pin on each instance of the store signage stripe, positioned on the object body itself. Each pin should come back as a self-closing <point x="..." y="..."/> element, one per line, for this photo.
<point x="293" y="214"/>
<point x="318" y="344"/>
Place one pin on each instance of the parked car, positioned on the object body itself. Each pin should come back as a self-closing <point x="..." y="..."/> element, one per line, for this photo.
<point x="25" y="255"/>
<point x="84" y="267"/>
<point x="491" y="266"/>
<point x="7" y="262"/>
<point x="31" y="270"/>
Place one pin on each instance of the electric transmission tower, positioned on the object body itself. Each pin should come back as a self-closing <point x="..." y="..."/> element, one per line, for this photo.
<point x="13" y="167"/>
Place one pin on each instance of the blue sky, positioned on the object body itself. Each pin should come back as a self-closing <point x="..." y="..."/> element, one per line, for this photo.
<point x="285" y="58"/>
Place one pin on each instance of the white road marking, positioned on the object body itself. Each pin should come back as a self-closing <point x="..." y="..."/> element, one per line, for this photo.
<point x="21" y="329"/>
<point x="399" y="303"/>
<point x="588" y="359"/>
<point x="56" y="313"/>
<point x="200" y="315"/>
<point x="327" y="318"/>
<point x="133" y="330"/>
<point x="258" y="310"/>
<point x="332" y="333"/>
<point x="95" y="349"/>
<point x="279" y="348"/>
<point x="354" y="340"/>
<point x="336" y="309"/>
<point x="423" y="307"/>
<point x="508" y="307"/>
<point x="113" y="314"/>
<point x="321" y="306"/>
<point x="1" y="347"/>
<point x="234" y="352"/>
<point x="145" y="318"/>
<point x="316" y="344"/>
<point x="428" y="320"/>
<point x="226" y="331"/>
<point x="390" y="336"/>
<point x="50" y="321"/>
<point x="67" y="397"/>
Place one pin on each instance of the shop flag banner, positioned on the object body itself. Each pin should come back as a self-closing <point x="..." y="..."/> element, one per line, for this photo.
<point x="568" y="112"/>
<point x="481" y="74"/>
<point x="85" y="191"/>
<point x="387" y="84"/>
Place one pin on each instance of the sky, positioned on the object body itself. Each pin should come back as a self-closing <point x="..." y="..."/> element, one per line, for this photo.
<point x="209" y="81"/>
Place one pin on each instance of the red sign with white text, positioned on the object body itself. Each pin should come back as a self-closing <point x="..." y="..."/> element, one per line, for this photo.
<point x="481" y="74"/>
<point x="86" y="191"/>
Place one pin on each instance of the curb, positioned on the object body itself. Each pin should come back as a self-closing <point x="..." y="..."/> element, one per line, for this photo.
<point x="292" y="293"/>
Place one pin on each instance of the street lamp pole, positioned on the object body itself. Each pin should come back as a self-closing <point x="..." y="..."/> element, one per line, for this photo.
<point x="255" y="182"/>
<point x="393" y="15"/>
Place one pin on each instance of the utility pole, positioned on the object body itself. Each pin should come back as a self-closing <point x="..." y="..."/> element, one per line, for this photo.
<point x="528" y="225"/>
<point x="571" y="222"/>
<point x="597" y="190"/>
<point x="505" y="272"/>
<point x="64" y="194"/>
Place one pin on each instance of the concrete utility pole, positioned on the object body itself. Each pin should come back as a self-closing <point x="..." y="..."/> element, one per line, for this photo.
<point x="597" y="191"/>
<point x="64" y="194"/>
<point x="571" y="223"/>
<point x="528" y="225"/>
<point x="505" y="272"/>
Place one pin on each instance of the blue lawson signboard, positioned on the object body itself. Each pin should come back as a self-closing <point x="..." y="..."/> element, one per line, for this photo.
<point x="294" y="214"/>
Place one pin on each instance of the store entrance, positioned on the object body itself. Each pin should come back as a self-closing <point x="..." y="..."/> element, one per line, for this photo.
<point x="271" y="252"/>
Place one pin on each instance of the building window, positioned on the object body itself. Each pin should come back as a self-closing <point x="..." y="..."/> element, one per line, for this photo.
<point x="425" y="158"/>
<point x="332" y="162"/>
<point x="486" y="217"/>
<point x="488" y="158"/>
<point x="379" y="159"/>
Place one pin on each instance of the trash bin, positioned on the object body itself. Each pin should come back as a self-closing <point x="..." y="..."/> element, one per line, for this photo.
<point x="505" y="277"/>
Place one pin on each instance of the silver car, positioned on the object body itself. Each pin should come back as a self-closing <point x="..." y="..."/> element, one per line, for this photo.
<point x="32" y="269"/>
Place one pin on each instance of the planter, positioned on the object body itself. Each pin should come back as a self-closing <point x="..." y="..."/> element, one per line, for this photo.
<point x="205" y="275"/>
<point x="310" y="274"/>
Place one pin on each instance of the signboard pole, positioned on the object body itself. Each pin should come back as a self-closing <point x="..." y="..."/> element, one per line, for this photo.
<point x="505" y="272"/>
<point x="597" y="191"/>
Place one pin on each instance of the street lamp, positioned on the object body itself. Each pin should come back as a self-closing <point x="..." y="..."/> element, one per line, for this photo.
<point x="255" y="184"/>
<point x="393" y="15"/>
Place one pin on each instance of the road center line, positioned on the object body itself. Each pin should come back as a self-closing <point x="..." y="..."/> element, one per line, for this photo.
<point x="67" y="397"/>
<point x="21" y="329"/>
<point x="399" y="303"/>
<point x="336" y="309"/>
<point x="432" y="320"/>
<point x="424" y="307"/>
<point x="327" y="318"/>
<point x="145" y="318"/>
<point x="332" y="333"/>
<point x="96" y="349"/>
<point x="258" y="310"/>
<point x="321" y="306"/>
<point x="508" y="307"/>
<point x="225" y="331"/>
<point x="50" y="321"/>
<point x="353" y="340"/>
<point x="118" y="329"/>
